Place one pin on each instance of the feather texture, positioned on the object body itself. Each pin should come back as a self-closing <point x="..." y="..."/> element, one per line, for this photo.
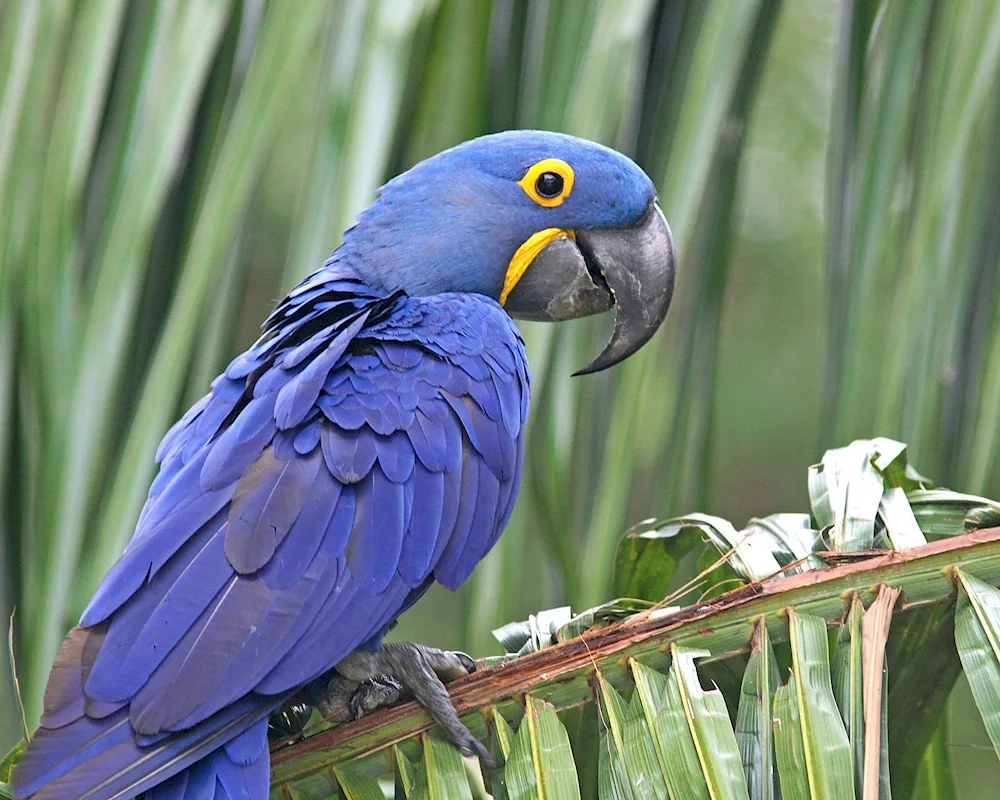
<point x="365" y="445"/>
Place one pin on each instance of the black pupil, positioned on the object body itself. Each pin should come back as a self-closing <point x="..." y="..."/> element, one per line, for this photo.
<point x="549" y="184"/>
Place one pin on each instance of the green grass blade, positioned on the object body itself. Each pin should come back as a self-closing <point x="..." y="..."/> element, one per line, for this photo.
<point x="18" y="238"/>
<point x="540" y="765"/>
<point x="845" y="490"/>
<point x="716" y="63"/>
<point x="631" y="752"/>
<point x="883" y="119"/>
<point x="501" y="744"/>
<point x="313" y="236"/>
<point x="377" y="91"/>
<point x="977" y="636"/>
<point x="53" y="285"/>
<point x="455" y="68"/>
<point x="934" y="780"/>
<point x="361" y="87"/>
<point x="17" y="43"/>
<point x="708" y="720"/>
<point x="663" y="705"/>
<point x="754" y="725"/>
<point x="986" y="444"/>
<point x="278" y="61"/>
<point x="848" y="684"/>
<point x="358" y="787"/>
<point x="104" y="334"/>
<point x="440" y="773"/>
<point x="788" y="743"/>
<point x="825" y="744"/>
<point x="941" y="512"/>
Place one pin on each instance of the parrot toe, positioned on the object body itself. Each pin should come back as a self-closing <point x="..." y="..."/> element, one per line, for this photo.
<point x="374" y="693"/>
<point x="367" y="680"/>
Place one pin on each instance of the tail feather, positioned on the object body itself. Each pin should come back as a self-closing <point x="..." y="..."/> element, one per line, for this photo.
<point x="220" y="776"/>
<point x="101" y="760"/>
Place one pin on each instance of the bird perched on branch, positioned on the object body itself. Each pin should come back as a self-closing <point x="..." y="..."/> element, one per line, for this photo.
<point x="368" y="444"/>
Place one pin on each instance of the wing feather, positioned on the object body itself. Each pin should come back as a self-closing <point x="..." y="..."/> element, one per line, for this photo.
<point x="335" y="468"/>
<point x="268" y="499"/>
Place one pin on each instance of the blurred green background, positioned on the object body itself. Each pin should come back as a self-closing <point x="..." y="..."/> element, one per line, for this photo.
<point x="168" y="170"/>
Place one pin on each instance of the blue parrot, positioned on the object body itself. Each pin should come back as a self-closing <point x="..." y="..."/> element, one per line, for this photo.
<point x="368" y="444"/>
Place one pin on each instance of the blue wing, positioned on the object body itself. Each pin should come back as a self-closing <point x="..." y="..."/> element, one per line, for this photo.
<point x="363" y="447"/>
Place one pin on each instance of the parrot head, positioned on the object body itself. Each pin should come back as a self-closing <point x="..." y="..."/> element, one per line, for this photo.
<point x="551" y="226"/>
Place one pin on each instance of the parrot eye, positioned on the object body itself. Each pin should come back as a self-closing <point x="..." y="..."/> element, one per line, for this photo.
<point x="548" y="182"/>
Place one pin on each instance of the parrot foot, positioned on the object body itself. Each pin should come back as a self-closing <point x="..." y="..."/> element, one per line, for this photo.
<point x="374" y="693"/>
<point x="367" y="680"/>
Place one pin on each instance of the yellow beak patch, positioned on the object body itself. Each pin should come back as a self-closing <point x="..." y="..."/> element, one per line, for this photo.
<point x="525" y="254"/>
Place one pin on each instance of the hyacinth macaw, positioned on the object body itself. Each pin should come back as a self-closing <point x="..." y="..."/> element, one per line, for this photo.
<point x="368" y="444"/>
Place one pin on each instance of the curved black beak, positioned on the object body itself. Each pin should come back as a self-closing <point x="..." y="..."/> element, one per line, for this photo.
<point x="631" y="269"/>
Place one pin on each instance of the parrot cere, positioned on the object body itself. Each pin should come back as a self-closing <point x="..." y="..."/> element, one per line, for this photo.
<point x="367" y="445"/>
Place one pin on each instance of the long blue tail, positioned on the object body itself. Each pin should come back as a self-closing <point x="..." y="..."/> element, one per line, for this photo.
<point x="223" y="758"/>
<point x="239" y="770"/>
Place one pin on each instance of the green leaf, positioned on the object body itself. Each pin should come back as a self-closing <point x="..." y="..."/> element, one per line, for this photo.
<point x="754" y="727"/>
<point x="357" y="787"/>
<point x="790" y="538"/>
<point x="977" y="636"/>
<point x="695" y="742"/>
<point x="845" y="490"/>
<point x="647" y="562"/>
<point x="438" y="775"/>
<point x="540" y="765"/>
<point x="986" y="517"/>
<point x="501" y="744"/>
<point x="601" y="616"/>
<point x="538" y="631"/>
<point x="934" y="779"/>
<point x="898" y="520"/>
<point x="655" y="564"/>
<point x="923" y="665"/>
<point x="10" y="760"/>
<point x="710" y="727"/>
<point x="788" y="743"/>
<point x="148" y="164"/>
<point x="941" y="512"/>
<point x="858" y="493"/>
<point x="663" y="706"/>
<point x="825" y="744"/>
<point x="274" y="71"/>
<point x="628" y="745"/>
<point x="848" y="683"/>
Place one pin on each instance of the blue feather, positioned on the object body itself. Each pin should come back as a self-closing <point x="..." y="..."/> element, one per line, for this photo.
<point x="315" y="506"/>
<point x="244" y="440"/>
<point x="349" y="455"/>
<point x="395" y="456"/>
<point x="375" y="543"/>
<point x="144" y="632"/>
<point x="297" y="397"/>
<point x="299" y="547"/>
<point x="424" y="530"/>
<point x="266" y="502"/>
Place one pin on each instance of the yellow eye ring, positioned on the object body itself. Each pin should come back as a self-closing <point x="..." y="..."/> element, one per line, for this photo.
<point x="548" y="182"/>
